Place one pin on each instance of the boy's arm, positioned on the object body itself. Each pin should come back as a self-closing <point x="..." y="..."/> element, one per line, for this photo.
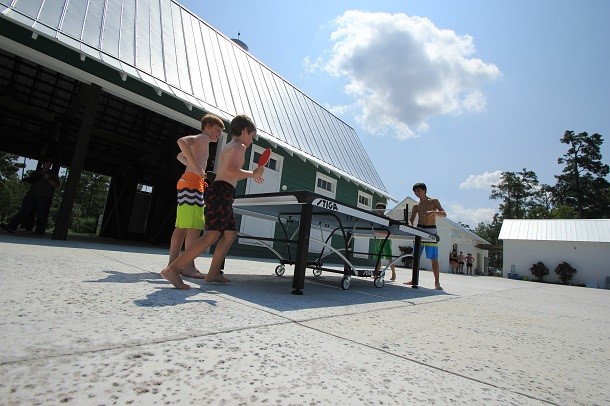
<point x="439" y="210"/>
<point x="234" y="170"/>
<point x="413" y="214"/>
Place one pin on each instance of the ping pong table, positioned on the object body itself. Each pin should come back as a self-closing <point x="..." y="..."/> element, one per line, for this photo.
<point x="310" y="210"/>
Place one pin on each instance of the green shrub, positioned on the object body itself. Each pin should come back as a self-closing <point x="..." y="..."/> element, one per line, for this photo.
<point x="565" y="272"/>
<point x="539" y="271"/>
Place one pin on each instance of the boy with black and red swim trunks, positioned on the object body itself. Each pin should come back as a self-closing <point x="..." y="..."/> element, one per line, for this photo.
<point x="219" y="217"/>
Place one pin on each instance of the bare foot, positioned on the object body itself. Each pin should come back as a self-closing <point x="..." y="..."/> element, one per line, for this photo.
<point x="192" y="273"/>
<point x="393" y="278"/>
<point x="216" y="279"/>
<point x="408" y="283"/>
<point x="438" y="287"/>
<point x="173" y="277"/>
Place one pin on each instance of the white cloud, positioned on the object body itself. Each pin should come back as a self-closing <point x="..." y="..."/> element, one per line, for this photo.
<point x="484" y="181"/>
<point x="338" y="110"/>
<point x="472" y="217"/>
<point x="403" y="70"/>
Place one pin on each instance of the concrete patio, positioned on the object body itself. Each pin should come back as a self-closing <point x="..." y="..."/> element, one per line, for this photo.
<point x="93" y="323"/>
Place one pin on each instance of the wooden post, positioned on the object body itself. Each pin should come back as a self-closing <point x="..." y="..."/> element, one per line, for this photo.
<point x="76" y="166"/>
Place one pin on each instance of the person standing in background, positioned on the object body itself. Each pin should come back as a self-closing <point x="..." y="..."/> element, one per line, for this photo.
<point x="38" y="197"/>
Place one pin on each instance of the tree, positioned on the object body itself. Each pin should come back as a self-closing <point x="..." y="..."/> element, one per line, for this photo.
<point x="582" y="184"/>
<point x="88" y="204"/>
<point x="518" y="192"/>
<point x="9" y="166"/>
<point x="12" y="189"/>
<point x="490" y="232"/>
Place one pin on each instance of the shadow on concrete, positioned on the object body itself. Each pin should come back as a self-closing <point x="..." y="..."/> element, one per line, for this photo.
<point x="83" y="242"/>
<point x="168" y="296"/>
<point x="274" y="292"/>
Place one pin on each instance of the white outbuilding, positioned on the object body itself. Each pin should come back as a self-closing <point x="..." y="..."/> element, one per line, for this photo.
<point x="584" y="244"/>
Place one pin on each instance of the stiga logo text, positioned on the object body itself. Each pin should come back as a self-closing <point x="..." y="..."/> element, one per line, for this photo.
<point x="327" y="205"/>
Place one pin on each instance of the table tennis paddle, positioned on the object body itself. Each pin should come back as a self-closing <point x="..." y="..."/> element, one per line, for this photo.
<point x="264" y="158"/>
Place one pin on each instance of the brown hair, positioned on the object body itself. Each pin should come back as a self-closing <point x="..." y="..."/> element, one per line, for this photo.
<point x="212" y="120"/>
<point x="239" y="123"/>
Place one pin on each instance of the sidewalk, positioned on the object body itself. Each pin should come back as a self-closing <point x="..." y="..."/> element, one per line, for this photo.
<point x="88" y="323"/>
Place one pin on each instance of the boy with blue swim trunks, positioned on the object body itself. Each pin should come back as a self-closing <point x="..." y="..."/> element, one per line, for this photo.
<point x="427" y="210"/>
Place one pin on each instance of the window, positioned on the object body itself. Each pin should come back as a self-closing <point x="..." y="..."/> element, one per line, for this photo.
<point x="364" y="200"/>
<point x="271" y="164"/>
<point x="325" y="185"/>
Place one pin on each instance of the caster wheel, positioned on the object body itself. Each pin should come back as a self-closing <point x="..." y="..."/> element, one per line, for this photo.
<point x="317" y="272"/>
<point x="378" y="282"/>
<point x="345" y="283"/>
<point x="279" y="270"/>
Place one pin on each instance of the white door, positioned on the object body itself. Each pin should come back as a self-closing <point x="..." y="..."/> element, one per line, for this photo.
<point x="273" y="173"/>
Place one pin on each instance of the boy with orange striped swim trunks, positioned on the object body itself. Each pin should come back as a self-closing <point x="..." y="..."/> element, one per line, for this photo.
<point x="427" y="210"/>
<point x="190" y="220"/>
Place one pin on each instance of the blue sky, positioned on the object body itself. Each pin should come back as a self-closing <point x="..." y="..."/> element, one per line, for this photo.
<point x="450" y="93"/>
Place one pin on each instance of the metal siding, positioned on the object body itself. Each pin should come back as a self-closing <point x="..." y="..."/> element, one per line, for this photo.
<point x="273" y="104"/>
<point x="127" y="40"/>
<point x="233" y="78"/>
<point x="180" y="15"/>
<point x="203" y="74"/>
<point x="165" y="45"/>
<point x="111" y="29"/>
<point x="308" y="129"/>
<point x="191" y="31"/>
<point x="251" y="92"/>
<point x="320" y="135"/>
<point x="92" y="26"/>
<point x="156" y="41"/>
<point x="281" y="101"/>
<point x="336" y="139"/>
<point x="142" y="30"/>
<point x="265" y="97"/>
<point x="74" y="19"/>
<point x="170" y="63"/>
<point x="298" y="118"/>
<point x="588" y="230"/>
<point x="51" y="12"/>
<point x="219" y="77"/>
<point x="30" y="8"/>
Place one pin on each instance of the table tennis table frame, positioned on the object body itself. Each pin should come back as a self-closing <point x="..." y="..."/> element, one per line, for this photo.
<point x="315" y="205"/>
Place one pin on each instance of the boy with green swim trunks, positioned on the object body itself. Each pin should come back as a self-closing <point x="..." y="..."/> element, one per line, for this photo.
<point x="384" y="250"/>
<point x="220" y="219"/>
<point x="190" y="220"/>
<point x="427" y="210"/>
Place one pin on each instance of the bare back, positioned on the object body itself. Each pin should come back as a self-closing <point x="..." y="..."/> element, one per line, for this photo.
<point x="199" y="146"/>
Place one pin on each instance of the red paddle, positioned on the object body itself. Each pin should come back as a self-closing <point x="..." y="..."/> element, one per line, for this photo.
<point x="262" y="161"/>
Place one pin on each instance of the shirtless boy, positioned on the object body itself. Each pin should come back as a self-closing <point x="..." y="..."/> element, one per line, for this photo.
<point x="219" y="206"/>
<point x="190" y="187"/>
<point x="427" y="210"/>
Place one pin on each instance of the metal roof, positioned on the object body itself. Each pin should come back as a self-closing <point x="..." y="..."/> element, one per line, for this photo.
<point x="164" y="45"/>
<point x="596" y="230"/>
